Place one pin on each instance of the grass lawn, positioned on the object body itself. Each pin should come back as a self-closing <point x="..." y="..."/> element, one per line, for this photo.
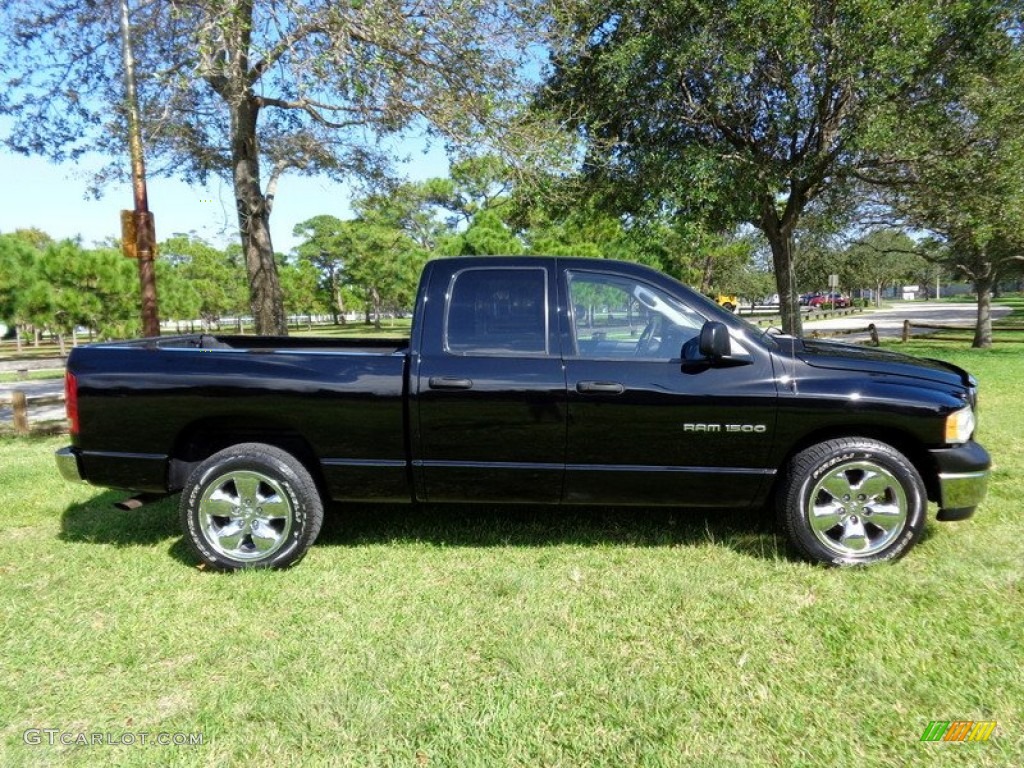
<point x="14" y="378"/>
<point x="525" y="637"/>
<point x="389" y="328"/>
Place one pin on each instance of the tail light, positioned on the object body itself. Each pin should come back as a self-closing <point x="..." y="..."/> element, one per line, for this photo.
<point x="71" y="400"/>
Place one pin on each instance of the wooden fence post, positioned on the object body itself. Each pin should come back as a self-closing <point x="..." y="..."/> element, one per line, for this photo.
<point x="19" y="404"/>
<point x="906" y="330"/>
<point x="874" y="334"/>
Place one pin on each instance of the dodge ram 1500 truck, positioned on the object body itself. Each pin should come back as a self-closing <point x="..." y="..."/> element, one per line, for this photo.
<point x="535" y="380"/>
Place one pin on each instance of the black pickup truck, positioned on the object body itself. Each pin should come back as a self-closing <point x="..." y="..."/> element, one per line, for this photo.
<point x="534" y="380"/>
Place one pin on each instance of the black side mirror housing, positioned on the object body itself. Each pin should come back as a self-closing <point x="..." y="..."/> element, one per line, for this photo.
<point x="714" y="341"/>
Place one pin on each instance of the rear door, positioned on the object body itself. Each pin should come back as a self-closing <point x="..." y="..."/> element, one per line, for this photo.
<point x="642" y="427"/>
<point x="489" y="400"/>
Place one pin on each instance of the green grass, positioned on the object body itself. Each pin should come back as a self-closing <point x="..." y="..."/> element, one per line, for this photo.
<point x="525" y="637"/>
<point x="14" y="378"/>
<point x="389" y="328"/>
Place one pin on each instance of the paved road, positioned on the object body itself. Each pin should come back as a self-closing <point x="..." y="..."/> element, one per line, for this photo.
<point x="889" y="322"/>
<point x="34" y="389"/>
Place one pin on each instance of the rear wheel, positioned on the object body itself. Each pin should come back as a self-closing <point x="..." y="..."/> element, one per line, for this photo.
<point x="851" y="501"/>
<point x="251" y="506"/>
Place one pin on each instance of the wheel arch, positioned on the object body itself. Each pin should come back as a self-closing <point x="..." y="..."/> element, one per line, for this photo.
<point x="904" y="442"/>
<point x="201" y="439"/>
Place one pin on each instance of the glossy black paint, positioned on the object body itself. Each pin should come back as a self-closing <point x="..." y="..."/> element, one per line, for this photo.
<point x="414" y="420"/>
<point x="502" y="438"/>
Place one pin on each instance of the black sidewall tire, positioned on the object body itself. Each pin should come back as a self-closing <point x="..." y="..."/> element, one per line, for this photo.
<point x="294" y="480"/>
<point x="807" y="467"/>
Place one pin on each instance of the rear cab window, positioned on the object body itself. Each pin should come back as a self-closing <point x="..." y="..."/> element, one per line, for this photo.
<point x="497" y="311"/>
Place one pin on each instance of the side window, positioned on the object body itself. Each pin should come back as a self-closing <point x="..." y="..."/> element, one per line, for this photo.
<point x="617" y="318"/>
<point x="497" y="311"/>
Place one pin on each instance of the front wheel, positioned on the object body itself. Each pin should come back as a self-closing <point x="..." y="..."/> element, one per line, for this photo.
<point x="251" y="506"/>
<point x="851" y="501"/>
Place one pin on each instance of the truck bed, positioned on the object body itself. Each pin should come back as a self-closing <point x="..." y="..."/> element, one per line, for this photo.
<point x="275" y="343"/>
<point x="340" y="401"/>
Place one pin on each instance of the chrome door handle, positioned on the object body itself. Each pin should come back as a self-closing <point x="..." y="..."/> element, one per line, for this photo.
<point x="600" y="387"/>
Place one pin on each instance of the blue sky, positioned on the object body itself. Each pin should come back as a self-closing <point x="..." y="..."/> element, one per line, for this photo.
<point x="37" y="193"/>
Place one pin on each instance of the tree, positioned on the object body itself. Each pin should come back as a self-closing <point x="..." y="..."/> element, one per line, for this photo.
<point x="215" y="278"/>
<point x="880" y="258"/>
<point x="750" y="109"/>
<point x="302" y="294"/>
<point x="323" y="248"/>
<point x="19" y="271"/>
<point x="252" y="89"/>
<point x="383" y="260"/>
<point x="90" y="287"/>
<point x="953" y="162"/>
<point x="477" y="199"/>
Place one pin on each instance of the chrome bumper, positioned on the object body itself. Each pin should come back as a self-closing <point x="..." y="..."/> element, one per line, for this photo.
<point x="67" y="464"/>
<point x="963" y="473"/>
<point x="960" y="494"/>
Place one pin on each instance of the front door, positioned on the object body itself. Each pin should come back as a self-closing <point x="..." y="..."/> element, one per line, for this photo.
<point x="642" y="427"/>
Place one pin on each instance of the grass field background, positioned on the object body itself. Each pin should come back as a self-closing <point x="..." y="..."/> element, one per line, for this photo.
<point x="527" y="637"/>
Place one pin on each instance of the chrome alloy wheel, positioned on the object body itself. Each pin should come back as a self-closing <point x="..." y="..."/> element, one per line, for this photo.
<point x="245" y="515"/>
<point x="857" y="509"/>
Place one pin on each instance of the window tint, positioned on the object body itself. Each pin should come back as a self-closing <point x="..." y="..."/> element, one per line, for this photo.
<point x="498" y="311"/>
<point x="615" y="317"/>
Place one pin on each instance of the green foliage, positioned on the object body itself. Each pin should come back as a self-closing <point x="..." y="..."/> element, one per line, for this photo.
<point x="61" y="286"/>
<point x="749" y="110"/>
<point x="954" y="162"/>
<point x="18" y="272"/>
<point x="93" y="288"/>
<point x="324" y="249"/>
<point x="251" y="90"/>
<point x="486" y="235"/>
<point x="201" y="278"/>
<point x="300" y="283"/>
<point x="882" y="258"/>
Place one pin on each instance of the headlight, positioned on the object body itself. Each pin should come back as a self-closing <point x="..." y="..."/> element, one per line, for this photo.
<point x="960" y="425"/>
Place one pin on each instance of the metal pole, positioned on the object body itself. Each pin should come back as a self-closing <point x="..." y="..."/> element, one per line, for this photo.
<point x="144" y="230"/>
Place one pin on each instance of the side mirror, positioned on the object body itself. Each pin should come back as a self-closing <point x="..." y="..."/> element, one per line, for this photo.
<point x="714" y="342"/>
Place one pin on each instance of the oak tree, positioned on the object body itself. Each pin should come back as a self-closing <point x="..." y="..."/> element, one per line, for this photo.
<point x="750" y="109"/>
<point x="253" y="89"/>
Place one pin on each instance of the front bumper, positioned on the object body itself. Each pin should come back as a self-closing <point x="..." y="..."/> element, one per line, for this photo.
<point x="963" y="474"/>
<point x="67" y="464"/>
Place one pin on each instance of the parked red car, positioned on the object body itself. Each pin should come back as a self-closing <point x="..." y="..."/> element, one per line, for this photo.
<point x="837" y="300"/>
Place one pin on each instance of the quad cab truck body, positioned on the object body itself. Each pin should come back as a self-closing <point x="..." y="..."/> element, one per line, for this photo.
<point x="532" y="380"/>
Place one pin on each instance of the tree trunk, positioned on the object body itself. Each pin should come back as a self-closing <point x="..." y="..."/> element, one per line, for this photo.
<point x="983" y="326"/>
<point x="375" y="295"/>
<point x="781" y="241"/>
<point x="707" y="274"/>
<point x="339" y="301"/>
<point x="265" y="296"/>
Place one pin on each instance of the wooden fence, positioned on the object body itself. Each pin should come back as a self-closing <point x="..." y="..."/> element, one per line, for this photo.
<point x="22" y="366"/>
<point x="870" y="329"/>
<point x="20" y="403"/>
<point x="934" y="330"/>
